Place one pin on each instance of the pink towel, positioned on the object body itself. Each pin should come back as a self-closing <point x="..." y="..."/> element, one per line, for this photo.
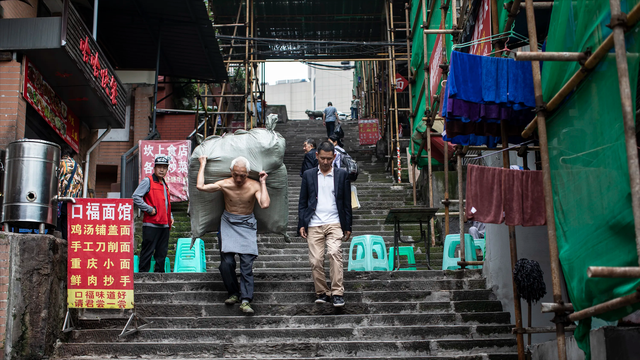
<point x="493" y="192"/>
<point x="533" y="204"/>
<point x="484" y="194"/>
<point x="512" y="196"/>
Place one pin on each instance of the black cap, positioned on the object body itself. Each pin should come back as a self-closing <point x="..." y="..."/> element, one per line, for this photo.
<point x="162" y="160"/>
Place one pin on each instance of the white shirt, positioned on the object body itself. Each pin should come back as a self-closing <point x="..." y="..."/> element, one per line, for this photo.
<point x="326" y="210"/>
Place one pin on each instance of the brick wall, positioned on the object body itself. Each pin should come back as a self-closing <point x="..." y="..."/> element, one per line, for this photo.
<point x="143" y="96"/>
<point x="4" y="287"/>
<point x="13" y="107"/>
<point x="175" y="127"/>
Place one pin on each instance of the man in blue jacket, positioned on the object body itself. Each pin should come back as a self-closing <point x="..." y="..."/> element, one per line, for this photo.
<point x="324" y="217"/>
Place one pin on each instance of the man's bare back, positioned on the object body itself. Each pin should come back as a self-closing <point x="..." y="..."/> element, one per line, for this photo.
<point x="240" y="192"/>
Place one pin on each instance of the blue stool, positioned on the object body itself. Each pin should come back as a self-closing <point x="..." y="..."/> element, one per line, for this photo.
<point x="403" y="251"/>
<point x="452" y="251"/>
<point x="190" y="259"/>
<point x="366" y="246"/>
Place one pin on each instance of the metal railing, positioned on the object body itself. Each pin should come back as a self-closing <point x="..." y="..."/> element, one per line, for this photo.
<point x="130" y="169"/>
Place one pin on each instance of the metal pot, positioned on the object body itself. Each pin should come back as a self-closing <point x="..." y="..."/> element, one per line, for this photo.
<point x="31" y="183"/>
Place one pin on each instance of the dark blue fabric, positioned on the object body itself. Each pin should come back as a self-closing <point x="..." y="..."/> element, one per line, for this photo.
<point x="520" y="83"/>
<point x="465" y="77"/>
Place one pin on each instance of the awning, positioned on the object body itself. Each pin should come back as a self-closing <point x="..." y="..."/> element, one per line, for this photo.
<point x="72" y="65"/>
<point x="130" y="30"/>
<point x="309" y="29"/>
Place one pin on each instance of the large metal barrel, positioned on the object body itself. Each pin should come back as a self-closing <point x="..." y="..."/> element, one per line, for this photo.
<point x="30" y="183"/>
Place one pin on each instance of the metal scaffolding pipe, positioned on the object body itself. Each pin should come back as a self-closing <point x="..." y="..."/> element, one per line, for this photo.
<point x="613" y="272"/>
<point x="550" y="56"/>
<point x="546" y="180"/>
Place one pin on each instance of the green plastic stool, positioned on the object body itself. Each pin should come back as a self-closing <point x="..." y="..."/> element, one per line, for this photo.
<point x="365" y="247"/>
<point x="190" y="259"/>
<point x="404" y="251"/>
<point x="136" y="265"/>
<point x="450" y="256"/>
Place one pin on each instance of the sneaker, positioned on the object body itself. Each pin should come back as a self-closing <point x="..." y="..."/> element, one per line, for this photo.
<point x="322" y="299"/>
<point x="233" y="299"/>
<point x="246" y="308"/>
<point x="338" y="301"/>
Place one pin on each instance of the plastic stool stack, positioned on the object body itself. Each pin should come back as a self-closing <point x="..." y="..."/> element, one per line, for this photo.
<point x="404" y="251"/>
<point x="190" y="259"/>
<point x="365" y="247"/>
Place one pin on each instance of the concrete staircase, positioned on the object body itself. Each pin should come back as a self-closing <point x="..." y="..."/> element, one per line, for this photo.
<point x="420" y="314"/>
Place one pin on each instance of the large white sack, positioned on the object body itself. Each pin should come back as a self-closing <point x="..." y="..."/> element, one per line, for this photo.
<point x="265" y="151"/>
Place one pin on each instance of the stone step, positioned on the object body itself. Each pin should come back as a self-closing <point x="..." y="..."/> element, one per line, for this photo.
<point x="298" y="297"/>
<point x="497" y="356"/>
<point x="379" y="276"/>
<point x="334" y="333"/>
<point x="307" y="286"/>
<point x="258" y="321"/>
<point x="324" y="349"/>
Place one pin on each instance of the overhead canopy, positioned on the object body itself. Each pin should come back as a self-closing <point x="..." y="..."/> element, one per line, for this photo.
<point x="323" y="24"/>
<point x="131" y="29"/>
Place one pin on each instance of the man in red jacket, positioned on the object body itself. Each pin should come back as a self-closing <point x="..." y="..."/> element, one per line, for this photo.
<point x="152" y="197"/>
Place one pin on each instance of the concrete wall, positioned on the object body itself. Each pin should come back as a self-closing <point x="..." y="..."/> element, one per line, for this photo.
<point x="36" y="294"/>
<point x="532" y="243"/>
<point x="333" y="85"/>
<point x="607" y="343"/>
<point x="295" y="96"/>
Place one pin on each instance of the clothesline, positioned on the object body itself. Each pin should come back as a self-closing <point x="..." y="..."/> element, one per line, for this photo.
<point x="491" y="38"/>
<point x="502" y="150"/>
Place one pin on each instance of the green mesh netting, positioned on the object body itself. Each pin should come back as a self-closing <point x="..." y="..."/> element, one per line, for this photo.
<point x="417" y="63"/>
<point x="589" y="173"/>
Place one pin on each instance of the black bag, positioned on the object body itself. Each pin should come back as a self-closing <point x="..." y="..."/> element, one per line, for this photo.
<point x="350" y="165"/>
<point x="338" y="131"/>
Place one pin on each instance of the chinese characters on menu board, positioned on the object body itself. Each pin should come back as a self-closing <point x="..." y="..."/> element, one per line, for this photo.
<point x="100" y="254"/>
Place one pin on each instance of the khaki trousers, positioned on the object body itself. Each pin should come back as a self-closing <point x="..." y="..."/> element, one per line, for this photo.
<point x="317" y="237"/>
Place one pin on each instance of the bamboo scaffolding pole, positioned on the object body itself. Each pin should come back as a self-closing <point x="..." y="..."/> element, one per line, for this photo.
<point x="411" y="115"/>
<point x="442" y="31"/>
<point x="546" y="171"/>
<point x="632" y="19"/>
<point x="551" y="56"/>
<point x="513" y="250"/>
<point x="461" y="216"/>
<point x="540" y="330"/>
<point x="253" y="75"/>
<point x="395" y="94"/>
<point x="613" y="272"/>
<point x="618" y="20"/>
<point x="553" y="307"/>
<point x="246" y="62"/>
<point x="606" y="307"/>
<point x="383" y="57"/>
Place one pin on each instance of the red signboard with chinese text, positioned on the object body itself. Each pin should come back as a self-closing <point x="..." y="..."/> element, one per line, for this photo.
<point x="107" y="81"/>
<point x="100" y="254"/>
<point x="39" y="94"/>
<point x="368" y="132"/>
<point x="401" y="83"/>
<point x="177" y="177"/>
<point x="482" y="30"/>
<point x="435" y="71"/>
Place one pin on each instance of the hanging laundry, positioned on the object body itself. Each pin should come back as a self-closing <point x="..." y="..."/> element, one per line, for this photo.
<point x="481" y="91"/>
<point x="533" y="204"/>
<point x="484" y="194"/>
<point x="496" y="195"/>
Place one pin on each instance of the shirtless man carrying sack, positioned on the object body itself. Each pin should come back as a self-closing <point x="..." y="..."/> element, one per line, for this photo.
<point x="238" y="227"/>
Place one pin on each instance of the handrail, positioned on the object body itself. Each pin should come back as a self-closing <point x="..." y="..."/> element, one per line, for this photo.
<point x="124" y="160"/>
